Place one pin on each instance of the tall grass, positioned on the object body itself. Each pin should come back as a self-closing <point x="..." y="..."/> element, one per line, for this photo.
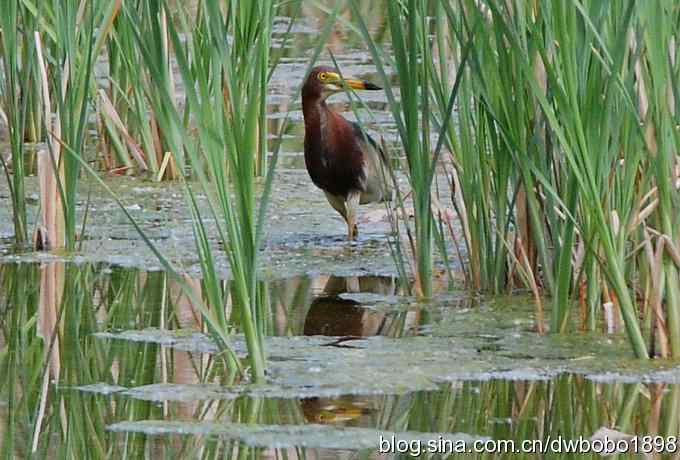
<point x="26" y="58"/>
<point x="213" y="131"/>
<point x="130" y="138"/>
<point x="227" y="104"/>
<point x="133" y="126"/>
<point x="67" y="42"/>
<point x="224" y="65"/>
<point x="590" y="143"/>
<point x="561" y="151"/>
<point x="225" y="85"/>
<point x="224" y="69"/>
<point x="561" y="157"/>
<point x="18" y="75"/>
<point x="410" y="28"/>
<point x="658" y="106"/>
<point x="486" y="186"/>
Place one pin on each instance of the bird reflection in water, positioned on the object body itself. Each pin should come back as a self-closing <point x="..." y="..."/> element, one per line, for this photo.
<point x="332" y="315"/>
<point x="345" y="320"/>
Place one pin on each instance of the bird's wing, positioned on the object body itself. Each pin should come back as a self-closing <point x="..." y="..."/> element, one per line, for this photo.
<point x="361" y="134"/>
<point x="378" y="182"/>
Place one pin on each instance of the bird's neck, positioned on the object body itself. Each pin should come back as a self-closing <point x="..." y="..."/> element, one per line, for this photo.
<point x="315" y="112"/>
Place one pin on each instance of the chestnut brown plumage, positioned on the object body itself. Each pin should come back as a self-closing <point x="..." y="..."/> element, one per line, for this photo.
<point x="342" y="160"/>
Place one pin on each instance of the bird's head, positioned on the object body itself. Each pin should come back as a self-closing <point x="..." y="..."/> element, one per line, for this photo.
<point x="323" y="81"/>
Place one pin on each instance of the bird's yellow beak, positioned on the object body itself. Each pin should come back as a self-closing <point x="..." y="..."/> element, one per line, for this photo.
<point x="360" y="84"/>
<point x="334" y="79"/>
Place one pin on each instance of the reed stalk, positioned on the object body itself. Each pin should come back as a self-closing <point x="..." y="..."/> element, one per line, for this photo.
<point x="412" y="61"/>
<point x="224" y="70"/>
<point x="67" y="48"/>
<point x="660" y="117"/>
<point x="561" y="150"/>
<point x="547" y="154"/>
<point x="17" y="72"/>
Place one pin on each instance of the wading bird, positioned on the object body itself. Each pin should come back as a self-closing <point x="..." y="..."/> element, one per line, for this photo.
<point x="342" y="160"/>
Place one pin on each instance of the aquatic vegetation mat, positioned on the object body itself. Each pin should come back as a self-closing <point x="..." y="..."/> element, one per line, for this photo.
<point x="316" y="366"/>
<point x="287" y="436"/>
<point x="306" y="236"/>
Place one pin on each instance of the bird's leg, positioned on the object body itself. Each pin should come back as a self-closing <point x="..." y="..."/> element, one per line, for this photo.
<point x="338" y="204"/>
<point x="351" y="204"/>
<point x="352" y="231"/>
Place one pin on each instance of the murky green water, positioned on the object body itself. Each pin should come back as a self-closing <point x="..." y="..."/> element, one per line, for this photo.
<point x="110" y="362"/>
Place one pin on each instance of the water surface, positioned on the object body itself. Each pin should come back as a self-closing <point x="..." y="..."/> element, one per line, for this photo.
<point x="116" y="358"/>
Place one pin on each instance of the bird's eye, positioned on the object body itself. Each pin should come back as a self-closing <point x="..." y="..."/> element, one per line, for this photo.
<point x="323" y="76"/>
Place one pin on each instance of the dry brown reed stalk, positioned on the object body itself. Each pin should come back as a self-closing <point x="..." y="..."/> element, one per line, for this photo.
<point x="51" y="232"/>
